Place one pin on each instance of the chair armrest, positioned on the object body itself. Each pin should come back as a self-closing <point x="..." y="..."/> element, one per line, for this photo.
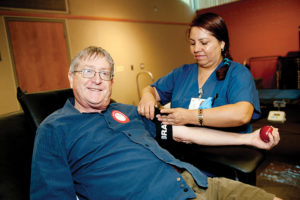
<point x="239" y="158"/>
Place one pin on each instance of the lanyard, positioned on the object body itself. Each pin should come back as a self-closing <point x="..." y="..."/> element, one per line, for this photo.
<point x="200" y="93"/>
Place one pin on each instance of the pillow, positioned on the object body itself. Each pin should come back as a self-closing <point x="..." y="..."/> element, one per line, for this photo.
<point x="38" y="105"/>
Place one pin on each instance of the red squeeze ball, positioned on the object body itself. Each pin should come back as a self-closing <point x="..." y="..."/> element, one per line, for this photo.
<point x="264" y="133"/>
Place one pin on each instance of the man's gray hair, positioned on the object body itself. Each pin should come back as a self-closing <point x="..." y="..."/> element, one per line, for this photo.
<point x="91" y="52"/>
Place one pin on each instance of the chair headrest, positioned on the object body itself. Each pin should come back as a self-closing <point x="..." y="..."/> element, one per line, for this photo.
<point x="37" y="106"/>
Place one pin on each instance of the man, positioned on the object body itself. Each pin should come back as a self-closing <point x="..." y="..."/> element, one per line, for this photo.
<point x="91" y="149"/>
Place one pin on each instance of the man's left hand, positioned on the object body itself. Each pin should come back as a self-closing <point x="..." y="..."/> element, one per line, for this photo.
<point x="259" y="143"/>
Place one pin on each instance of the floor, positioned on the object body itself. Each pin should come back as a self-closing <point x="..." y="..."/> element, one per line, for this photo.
<point x="280" y="171"/>
<point x="280" y="178"/>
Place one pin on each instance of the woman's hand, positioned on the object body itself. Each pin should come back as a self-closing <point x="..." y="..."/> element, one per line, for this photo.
<point x="256" y="141"/>
<point x="146" y="106"/>
<point x="178" y="116"/>
<point x="148" y="101"/>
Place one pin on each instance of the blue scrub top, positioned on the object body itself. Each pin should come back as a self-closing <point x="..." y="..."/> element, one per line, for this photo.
<point x="180" y="85"/>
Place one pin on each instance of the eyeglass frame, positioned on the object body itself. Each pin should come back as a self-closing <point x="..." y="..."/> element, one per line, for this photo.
<point x="92" y="70"/>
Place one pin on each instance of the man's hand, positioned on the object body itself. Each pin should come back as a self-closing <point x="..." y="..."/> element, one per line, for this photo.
<point x="178" y="116"/>
<point x="256" y="141"/>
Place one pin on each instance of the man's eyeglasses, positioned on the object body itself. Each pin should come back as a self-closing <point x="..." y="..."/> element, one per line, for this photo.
<point x="90" y="73"/>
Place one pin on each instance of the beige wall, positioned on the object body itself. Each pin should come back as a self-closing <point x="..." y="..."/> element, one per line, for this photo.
<point x="145" y="39"/>
<point x="8" y="100"/>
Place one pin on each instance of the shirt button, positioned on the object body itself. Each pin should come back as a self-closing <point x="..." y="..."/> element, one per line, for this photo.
<point x="129" y="135"/>
<point x="178" y="179"/>
<point x="147" y="145"/>
<point x="185" y="189"/>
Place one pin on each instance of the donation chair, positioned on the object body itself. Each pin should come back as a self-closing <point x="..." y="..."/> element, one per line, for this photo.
<point x="236" y="162"/>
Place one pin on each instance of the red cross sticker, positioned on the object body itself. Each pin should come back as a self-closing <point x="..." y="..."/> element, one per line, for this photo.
<point x="119" y="116"/>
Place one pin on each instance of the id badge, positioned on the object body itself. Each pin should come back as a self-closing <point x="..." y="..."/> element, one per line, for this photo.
<point x="195" y="103"/>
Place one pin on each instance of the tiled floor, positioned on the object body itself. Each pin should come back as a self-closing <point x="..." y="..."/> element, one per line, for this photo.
<point x="280" y="178"/>
<point x="280" y="172"/>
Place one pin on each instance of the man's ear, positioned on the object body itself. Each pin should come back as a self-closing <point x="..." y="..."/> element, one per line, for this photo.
<point x="70" y="77"/>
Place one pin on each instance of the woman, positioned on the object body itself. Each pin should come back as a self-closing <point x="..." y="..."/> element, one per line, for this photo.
<point x="214" y="91"/>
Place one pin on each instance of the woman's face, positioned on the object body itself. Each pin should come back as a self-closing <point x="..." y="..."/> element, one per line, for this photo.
<point x="205" y="48"/>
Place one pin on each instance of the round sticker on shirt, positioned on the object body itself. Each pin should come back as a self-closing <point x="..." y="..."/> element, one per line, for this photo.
<point x="119" y="116"/>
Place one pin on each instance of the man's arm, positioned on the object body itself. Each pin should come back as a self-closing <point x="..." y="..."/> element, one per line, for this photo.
<point x="212" y="137"/>
<point x="50" y="174"/>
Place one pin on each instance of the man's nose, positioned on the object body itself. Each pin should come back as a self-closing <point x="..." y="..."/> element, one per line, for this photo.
<point x="97" y="78"/>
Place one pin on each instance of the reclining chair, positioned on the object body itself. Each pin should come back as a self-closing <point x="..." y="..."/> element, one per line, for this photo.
<point x="236" y="162"/>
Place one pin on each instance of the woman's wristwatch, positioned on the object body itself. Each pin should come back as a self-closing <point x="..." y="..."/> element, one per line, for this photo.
<point x="200" y="117"/>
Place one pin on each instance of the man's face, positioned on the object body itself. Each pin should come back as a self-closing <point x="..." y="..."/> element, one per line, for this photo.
<point x="91" y="94"/>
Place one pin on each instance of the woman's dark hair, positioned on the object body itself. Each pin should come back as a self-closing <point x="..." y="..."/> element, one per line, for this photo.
<point x="216" y="25"/>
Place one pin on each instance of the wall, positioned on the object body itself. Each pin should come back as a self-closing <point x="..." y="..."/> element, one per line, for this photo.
<point x="8" y="101"/>
<point x="151" y="32"/>
<point x="261" y="27"/>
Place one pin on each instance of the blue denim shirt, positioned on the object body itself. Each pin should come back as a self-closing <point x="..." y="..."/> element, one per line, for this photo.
<point x="108" y="155"/>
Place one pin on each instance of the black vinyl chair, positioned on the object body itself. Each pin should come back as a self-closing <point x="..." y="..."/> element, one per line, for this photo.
<point x="236" y="162"/>
<point x="37" y="106"/>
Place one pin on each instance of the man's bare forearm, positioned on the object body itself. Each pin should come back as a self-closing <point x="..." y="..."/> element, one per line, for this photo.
<point x="207" y="136"/>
